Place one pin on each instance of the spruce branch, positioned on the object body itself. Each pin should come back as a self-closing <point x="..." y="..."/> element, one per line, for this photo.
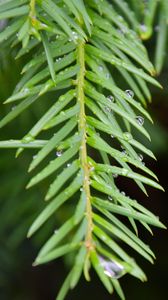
<point x="77" y="51"/>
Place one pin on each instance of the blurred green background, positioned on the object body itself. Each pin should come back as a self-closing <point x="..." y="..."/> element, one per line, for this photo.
<point x="18" y="207"/>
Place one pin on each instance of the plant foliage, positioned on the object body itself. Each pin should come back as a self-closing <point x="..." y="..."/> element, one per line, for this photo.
<point x="75" y="52"/>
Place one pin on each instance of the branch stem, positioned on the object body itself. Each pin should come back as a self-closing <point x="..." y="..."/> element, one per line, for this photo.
<point x="83" y="149"/>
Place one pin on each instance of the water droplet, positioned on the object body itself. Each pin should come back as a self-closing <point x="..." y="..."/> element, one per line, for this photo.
<point x="107" y="109"/>
<point x="112" y="136"/>
<point x="140" y="120"/>
<point x="34" y="156"/>
<point x="127" y="136"/>
<point x="123" y="193"/>
<point x="58" y="59"/>
<point x="68" y="165"/>
<point x="124" y="152"/>
<point x="143" y="28"/>
<point x="110" y="98"/>
<point x="75" y="35"/>
<point x="56" y="231"/>
<point x="110" y="198"/>
<point x="140" y="157"/>
<point x="81" y="189"/>
<point x="100" y="68"/>
<point x="115" y="175"/>
<point x="129" y="93"/>
<point x="92" y="169"/>
<point x="59" y="153"/>
<point x="112" y="268"/>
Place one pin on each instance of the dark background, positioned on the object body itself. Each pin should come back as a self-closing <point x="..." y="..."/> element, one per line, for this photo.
<point x="18" y="279"/>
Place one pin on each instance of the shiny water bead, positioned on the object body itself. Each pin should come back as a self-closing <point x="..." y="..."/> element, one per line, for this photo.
<point x="110" y="198"/>
<point x="112" y="136"/>
<point x="100" y="68"/>
<point x="68" y="165"/>
<point x="107" y="109"/>
<point x="127" y="135"/>
<point x="59" y="153"/>
<point x="123" y="193"/>
<point x="115" y="175"/>
<point x="140" y="120"/>
<point x="124" y="152"/>
<point x="110" y="98"/>
<point x="75" y="35"/>
<point x="112" y="268"/>
<point x="143" y="28"/>
<point x="58" y="59"/>
<point x="129" y="93"/>
<point x="140" y="157"/>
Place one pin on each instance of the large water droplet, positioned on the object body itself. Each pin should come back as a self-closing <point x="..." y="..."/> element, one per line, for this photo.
<point x="59" y="153"/>
<point x="140" y="120"/>
<point x="110" y="198"/>
<point x="110" y="98"/>
<point x="129" y="93"/>
<point x="112" y="268"/>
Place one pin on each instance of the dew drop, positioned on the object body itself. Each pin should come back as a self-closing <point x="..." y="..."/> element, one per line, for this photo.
<point x="123" y="193"/>
<point x="127" y="136"/>
<point x="100" y="68"/>
<point x="59" y="153"/>
<point x="13" y="107"/>
<point x="110" y="98"/>
<point x="140" y="120"/>
<point x="124" y="152"/>
<point x="110" y="198"/>
<point x="140" y="157"/>
<point x="58" y="59"/>
<point x="115" y="175"/>
<point x="129" y="93"/>
<point x="92" y="169"/>
<point x="68" y="165"/>
<point x="112" y="268"/>
<point x="75" y="35"/>
<point x="143" y="28"/>
<point x="112" y="136"/>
